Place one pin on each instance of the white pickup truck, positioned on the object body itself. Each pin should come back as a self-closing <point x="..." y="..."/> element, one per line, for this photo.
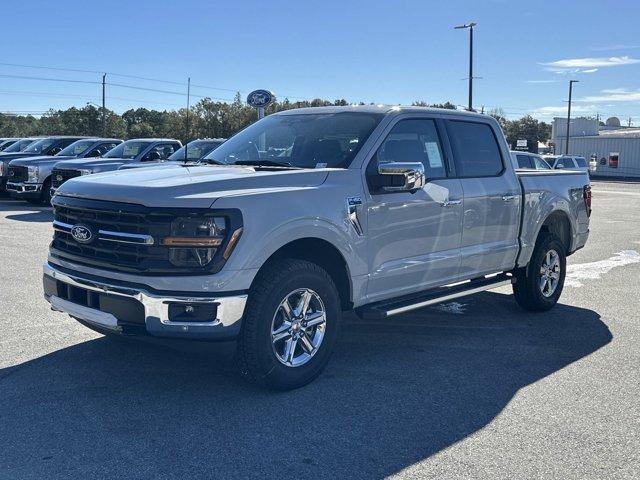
<point x="303" y="215"/>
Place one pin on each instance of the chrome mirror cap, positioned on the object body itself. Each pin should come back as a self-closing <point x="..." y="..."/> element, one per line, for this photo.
<point x="412" y="172"/>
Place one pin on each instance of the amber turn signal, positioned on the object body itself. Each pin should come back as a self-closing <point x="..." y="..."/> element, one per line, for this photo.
<point x="198" y="242"/>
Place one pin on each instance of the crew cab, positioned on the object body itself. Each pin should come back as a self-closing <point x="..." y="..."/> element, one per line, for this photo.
<point x="196" y="150"/>
<point x="137" y="150"/>
<point x="303" y="215"/>
<point x="30" y="178"/>
<point x="45" y="146"/>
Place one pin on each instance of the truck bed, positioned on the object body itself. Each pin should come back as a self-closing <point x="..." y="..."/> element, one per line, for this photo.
<point x="545" y="191"/>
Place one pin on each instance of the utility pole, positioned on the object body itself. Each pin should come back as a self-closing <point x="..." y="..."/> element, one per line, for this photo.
<point x="186" y="137"/>
<point x="470" y="27"/>
<point x="629" y="121"/>
<point x="566" y="145"/>
<point x="104" y="110"/>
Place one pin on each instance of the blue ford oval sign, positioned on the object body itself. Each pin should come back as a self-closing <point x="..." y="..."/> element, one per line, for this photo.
<point x="81" y="233"/>
<point x="260" y="98"/>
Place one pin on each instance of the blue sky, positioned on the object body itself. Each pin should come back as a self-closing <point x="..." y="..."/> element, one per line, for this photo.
<point x="372" y="51"/>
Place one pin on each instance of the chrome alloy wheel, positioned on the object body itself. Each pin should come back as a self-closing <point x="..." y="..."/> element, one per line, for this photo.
<point x="298" y="327"/>
<point x="549" y="273"/>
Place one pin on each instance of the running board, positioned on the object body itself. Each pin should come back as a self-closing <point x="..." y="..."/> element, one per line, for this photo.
<point x="395" y="306"/>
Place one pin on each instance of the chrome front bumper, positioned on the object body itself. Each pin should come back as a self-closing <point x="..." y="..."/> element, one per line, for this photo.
<point x="23" y="187"/>
<point x="225" y="325"/>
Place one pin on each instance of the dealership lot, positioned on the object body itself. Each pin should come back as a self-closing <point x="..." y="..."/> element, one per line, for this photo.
<point x="474" y="388"/>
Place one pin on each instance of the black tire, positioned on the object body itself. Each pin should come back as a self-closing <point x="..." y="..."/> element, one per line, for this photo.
<point x="527" y="289"/>
<point x="258" y="361"/>
<point x="45" y="196"/>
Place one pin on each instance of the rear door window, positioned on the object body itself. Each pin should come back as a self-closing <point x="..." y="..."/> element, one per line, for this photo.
<point x="540" y="164"/>
<point x="476" y="150"/>
<point x="524" y="161"/>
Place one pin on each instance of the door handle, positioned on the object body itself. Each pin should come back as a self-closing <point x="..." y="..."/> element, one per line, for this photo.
<point x="449" y="203"/>
<point x="508" y="198"/>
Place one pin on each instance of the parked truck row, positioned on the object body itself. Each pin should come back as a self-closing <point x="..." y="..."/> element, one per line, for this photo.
<point x="33" y="168"/>
<point x="307" y="214"/>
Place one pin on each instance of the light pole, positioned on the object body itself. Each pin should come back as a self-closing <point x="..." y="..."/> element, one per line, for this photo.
<point x="470" y="27"/>
<point x="104" y="110"/>
<point x="566" y="144"/>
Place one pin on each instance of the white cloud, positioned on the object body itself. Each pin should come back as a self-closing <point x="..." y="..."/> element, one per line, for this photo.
<point x="590" y="62"/>
<point x="554" y="111"/>
<point x="613" y="95"/>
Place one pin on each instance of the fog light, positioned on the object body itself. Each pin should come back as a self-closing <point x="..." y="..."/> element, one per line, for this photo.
<point x="193" y="312"/>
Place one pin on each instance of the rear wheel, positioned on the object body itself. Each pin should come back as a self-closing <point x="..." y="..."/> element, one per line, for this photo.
<point x="539" y="285"/>
<point x="290" y="325"/>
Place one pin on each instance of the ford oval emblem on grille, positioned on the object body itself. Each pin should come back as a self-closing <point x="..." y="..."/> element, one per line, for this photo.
<point x="81" y="233"/>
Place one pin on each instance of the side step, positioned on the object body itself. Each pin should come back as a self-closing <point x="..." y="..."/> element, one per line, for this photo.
<point x="406" y="303"/>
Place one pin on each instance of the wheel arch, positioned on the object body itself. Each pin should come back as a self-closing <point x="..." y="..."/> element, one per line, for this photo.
<point x="322" y="253"/>
<point x="558" y="224"/>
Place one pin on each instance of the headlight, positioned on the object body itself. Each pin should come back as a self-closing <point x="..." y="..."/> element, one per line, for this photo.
<point x="84" y="171"/>
<point x="32" y="174"/>
<point x="195" y="240"/>
<point x="2" y="167"/>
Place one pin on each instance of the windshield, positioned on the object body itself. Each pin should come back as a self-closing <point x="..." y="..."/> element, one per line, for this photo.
<point x="19" y="145"/>
<point x="299" y="140"/>
<point x="40" y="146"/>
<point x="196" y="149"/>
<point x="128" y="149"/>
<point x="76" y="148"/>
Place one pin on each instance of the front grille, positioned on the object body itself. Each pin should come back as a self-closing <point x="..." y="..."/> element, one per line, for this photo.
<point x="17" y="174"/>
<point x="122" y="218"/>
<point x="59" y="176"/>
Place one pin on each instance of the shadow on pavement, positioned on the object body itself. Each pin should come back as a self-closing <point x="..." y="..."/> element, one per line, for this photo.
<point x="25" y="212"/>
<point x="395" y="393"/>
<point x="42" y="214"/>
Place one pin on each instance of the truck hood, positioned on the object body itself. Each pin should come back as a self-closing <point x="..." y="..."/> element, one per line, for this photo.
<point x="8" y="156"/>
<point x="188" y="186"/>
<point x="44" y="160"/>
<point x="96" y="165"/>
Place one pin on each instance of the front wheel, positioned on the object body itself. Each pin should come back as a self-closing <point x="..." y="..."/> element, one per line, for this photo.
<point x="290" y="325"/>
<point x="45" y="197"/>
<point x="539" y="285"/>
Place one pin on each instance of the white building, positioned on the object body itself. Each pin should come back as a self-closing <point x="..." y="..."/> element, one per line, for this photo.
<point x="616" y="148"/>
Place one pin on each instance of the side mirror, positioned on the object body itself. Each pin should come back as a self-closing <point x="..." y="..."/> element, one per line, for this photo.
<point x="152" y="156"/>
<point x="560" y="165"/>
<point x="401" y="176"/>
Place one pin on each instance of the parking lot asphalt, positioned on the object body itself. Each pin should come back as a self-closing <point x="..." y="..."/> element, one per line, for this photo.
<point x="472" y="389"/>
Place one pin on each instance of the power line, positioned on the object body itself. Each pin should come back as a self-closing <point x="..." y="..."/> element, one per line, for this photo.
<point x="124" y="75"/>
<point x="137" y="77"/>
<point x="49" y="79"/>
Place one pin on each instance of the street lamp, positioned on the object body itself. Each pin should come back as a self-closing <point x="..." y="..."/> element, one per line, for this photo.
<point x="566" y="144"/>
<point x="470" y="27"/>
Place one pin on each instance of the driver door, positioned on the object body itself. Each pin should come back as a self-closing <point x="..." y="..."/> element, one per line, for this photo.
<point x="413" y="237"/>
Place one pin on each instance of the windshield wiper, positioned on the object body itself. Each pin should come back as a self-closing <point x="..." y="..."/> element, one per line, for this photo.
<point x="211" y="161"/>
<point x="265" y="163"/>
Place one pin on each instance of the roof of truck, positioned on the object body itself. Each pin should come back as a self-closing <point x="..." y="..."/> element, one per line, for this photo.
<point x="384" y="109"/>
